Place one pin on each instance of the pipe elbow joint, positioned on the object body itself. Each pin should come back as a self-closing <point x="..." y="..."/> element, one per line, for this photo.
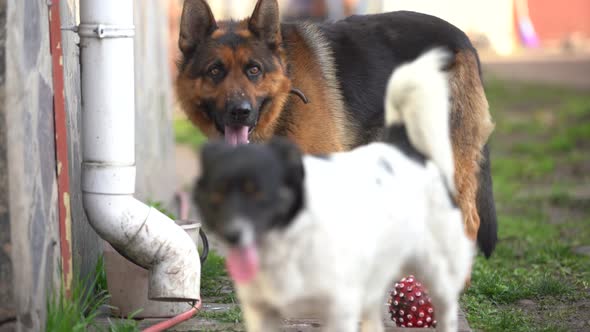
<point x="150" y="239"/>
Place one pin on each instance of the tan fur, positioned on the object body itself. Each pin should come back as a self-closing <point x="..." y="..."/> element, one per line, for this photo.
<point x="244" y="33"/>
<point x="322" y="125"/>
<point x="471" y="126"/>
<point x="189" y="100"/>
<point x="192" y="92"/>
<point x="218" y="33"/>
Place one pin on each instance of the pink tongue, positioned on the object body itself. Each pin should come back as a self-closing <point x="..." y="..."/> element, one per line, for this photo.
<point x="242" y="264"/>
<point x="236" y="135"/>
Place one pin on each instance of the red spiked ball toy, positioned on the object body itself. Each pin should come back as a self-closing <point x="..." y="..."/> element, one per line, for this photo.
<point x="410" y="306"/>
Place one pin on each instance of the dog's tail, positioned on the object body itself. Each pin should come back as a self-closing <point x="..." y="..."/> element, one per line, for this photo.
<point x="487" y="234"/>
<point x="417" y="111"/>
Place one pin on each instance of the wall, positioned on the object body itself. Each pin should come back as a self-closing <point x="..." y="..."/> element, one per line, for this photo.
<point x="493" y="19"/>
<point x="31" y="160"/>
<point x="154" y="145"/>
<point x="7" y="303"/>
<point x="29" y="236"/>
<point x="557" y="20"/>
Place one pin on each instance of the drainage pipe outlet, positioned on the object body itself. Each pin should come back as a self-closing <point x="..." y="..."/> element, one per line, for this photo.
<point x="140" y="233"/>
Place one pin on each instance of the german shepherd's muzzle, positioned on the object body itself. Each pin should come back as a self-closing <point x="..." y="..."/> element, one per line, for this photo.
<point x="238" y="119"/>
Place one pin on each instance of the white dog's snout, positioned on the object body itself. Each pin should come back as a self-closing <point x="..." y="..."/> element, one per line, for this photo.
<point x="239" y="231"/>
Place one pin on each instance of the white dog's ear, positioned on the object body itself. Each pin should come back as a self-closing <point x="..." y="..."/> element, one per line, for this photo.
<point x="291" y="190"/>
<point x="211" y="152"/>
<point x="292" y="159"/>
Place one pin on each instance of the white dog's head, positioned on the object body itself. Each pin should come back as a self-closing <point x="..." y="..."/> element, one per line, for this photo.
<point x="247" y="191"/>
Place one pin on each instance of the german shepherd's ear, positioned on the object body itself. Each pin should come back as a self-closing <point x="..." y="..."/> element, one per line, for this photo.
<point x="265" y="22"/>
<point x="196" y="24"/>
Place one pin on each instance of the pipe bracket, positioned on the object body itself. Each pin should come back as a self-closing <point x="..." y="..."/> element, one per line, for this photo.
<point x="101" y="31"/>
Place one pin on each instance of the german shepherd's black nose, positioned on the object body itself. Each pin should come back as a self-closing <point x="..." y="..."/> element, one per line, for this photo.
<point x="239" y="110"/>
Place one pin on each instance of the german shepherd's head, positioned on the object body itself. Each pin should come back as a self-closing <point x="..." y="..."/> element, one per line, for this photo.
<point x="232" y="75"/>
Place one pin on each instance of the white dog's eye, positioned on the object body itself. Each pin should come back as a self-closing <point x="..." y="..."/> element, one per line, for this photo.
<point x="252" y="190"/>
<point x="249" y="187"/>
<point x="216" y="198"/>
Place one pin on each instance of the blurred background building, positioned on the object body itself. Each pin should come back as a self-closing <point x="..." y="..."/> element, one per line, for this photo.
<point x="505" y="32"/>
<point x="504" y="27"/>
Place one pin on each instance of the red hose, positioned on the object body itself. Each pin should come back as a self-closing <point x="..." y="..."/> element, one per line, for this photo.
<point x="175" y="320"/>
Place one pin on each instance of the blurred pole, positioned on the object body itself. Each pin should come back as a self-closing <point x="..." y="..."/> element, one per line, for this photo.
<point x="362" y="7"/>
<point x="335" y="9"/>
<point x="239" y="9"/>
<point x="374" y="6"/>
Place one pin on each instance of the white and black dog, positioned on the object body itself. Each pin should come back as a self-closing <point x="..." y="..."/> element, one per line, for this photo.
<point x="325" y="236"/>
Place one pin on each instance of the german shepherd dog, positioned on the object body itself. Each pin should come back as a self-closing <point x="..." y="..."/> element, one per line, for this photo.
<point x="323" y="87"/>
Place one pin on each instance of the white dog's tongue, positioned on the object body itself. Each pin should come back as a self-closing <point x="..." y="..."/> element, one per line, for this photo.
<point x="242" y="264"/>
<point x="236" y="135"/>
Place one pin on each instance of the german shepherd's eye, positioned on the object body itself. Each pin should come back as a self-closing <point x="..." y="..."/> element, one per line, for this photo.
<point x="253" y="71"/>
<point x="215" y="71"/>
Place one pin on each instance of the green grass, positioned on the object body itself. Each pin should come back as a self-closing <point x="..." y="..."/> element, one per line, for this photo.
<point x="233" y="315"/>
<point x="79" y="311"/>
<point x="100" y="275"/>
<point x="215" y="281"/>
<point x="217" y="287"/>
<point x="160" y="207"/>
<point x="186" y="133"/>
<point x="540" y="137"/>
<point x="212" y="271"/>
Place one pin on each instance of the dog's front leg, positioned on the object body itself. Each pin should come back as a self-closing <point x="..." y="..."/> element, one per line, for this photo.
<point x="343" y="318"/>
<point x="373" y="320"/>
<point x="260" y="318"/>
<point x="447" y="312"/>
<point x="445" y="298"/>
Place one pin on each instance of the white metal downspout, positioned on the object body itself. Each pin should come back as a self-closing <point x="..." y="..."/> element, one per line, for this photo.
<point x="142" y="234"/>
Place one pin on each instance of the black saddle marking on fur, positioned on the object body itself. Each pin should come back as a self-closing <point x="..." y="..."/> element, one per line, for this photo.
<point x="367" y="48"/>
<point x="397" y="136"/>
